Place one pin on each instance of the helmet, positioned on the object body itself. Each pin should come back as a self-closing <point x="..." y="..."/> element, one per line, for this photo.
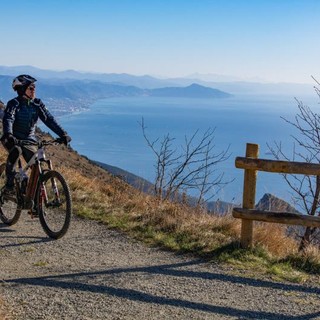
<point x="22" y="81"/>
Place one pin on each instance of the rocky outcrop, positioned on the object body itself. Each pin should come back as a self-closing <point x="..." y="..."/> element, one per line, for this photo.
<point x="270" y="202"/>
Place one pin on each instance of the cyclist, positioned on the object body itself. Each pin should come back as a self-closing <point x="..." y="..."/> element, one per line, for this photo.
<point x="19" y="123"/>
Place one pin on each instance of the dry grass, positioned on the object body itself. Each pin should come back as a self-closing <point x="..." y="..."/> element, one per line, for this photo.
<point x="163" y="223"/>
<point x="273" y="237"/>
<point x="313" y="253"/>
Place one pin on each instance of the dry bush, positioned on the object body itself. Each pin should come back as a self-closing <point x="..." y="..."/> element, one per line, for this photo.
<point x="312" y="253"/>
<point x="274" y="238"/>
<point x="207" y="231"/>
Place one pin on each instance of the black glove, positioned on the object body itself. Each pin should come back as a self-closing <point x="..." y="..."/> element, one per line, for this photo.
<point x="65" y="139"/>
<point x="9" y="140"/>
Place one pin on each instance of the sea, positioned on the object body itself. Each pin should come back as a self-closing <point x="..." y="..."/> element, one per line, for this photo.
<point x="110" y="132"/>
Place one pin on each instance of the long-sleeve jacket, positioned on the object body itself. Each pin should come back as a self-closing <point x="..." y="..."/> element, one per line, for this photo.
<point x="21" y="116"/>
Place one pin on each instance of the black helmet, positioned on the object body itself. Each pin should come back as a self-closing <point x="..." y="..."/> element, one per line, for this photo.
<point x="22" y="82"/>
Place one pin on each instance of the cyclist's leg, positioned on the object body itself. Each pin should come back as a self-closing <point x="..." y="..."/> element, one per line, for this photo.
<point x="13" y="156"/>
<point x="12" y="159"/>
<point x="28" y="152"/>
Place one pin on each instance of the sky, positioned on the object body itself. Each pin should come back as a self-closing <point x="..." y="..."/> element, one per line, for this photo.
<point x="268" y="40"/>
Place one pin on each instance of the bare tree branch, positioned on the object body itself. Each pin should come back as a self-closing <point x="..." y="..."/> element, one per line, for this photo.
<point x="192" y="168"/>
<point x="305" y="189"/>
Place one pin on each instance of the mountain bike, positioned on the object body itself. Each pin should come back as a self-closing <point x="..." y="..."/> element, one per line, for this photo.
<point x="45" y="194"/>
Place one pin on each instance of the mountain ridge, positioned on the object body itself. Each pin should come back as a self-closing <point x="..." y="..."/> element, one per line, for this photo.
<point x="232" y="85"/>
<point x="64" y="92"/>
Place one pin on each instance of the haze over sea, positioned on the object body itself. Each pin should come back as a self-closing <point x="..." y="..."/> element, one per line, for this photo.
<point x="110" y="132"/>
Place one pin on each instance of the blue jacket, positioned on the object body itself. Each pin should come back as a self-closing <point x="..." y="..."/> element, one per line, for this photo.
<point x="21" y="116"/>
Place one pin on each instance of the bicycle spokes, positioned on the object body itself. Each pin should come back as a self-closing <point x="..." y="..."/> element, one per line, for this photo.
<point x="54" y="204"/>
<point x="10" y="211"/>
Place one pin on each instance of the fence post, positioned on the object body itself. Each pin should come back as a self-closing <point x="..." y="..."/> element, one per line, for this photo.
<point x="249" y="196"/>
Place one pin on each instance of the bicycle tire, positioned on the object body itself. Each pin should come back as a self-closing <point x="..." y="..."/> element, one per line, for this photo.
<point x="54" y="215"/>
<point x="10" y="211"/>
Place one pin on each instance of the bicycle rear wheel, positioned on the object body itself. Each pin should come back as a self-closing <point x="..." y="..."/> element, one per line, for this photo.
<point x="10" y="211"/>
<point x="54" y="204"/>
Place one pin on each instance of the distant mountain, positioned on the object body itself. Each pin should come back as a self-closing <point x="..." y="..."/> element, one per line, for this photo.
<point x="88" y="91"/>
<point x="192" y="91"/>
<point x="78" y="89"/>
<point x="5" y="88"/>
<point x="269" y="202"/>
<point x="145" y="81"/>
<point x="72" y="89"/>
<point x="229" y="84"/>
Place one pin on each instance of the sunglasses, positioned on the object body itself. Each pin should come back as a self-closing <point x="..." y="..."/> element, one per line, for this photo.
<point x="32" y="88"/>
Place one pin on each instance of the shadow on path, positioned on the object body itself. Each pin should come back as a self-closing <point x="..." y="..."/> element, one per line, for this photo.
<point x="30" y="239"/>
<point x="73" y="281"/>
<point x="24" y="243"/>
<point x="5" y="228"/>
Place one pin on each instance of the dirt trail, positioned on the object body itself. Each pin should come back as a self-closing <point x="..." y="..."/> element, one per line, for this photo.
<point x="97" y="273"/>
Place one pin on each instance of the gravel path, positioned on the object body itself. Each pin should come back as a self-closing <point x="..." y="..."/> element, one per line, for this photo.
<point x="97" y="273"/>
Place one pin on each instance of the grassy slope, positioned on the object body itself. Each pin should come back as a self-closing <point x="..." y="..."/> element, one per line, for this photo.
<point x="98" y="195"/>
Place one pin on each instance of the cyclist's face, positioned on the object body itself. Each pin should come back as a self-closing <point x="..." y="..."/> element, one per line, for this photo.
<point x="31" y="91"/>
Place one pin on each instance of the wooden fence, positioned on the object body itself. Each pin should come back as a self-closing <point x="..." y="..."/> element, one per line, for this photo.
<point x="251" y="165"/>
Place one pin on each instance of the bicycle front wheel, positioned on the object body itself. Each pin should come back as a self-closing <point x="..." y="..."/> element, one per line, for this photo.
<point x="10" y="211"/>
<point x="54" y="204"/>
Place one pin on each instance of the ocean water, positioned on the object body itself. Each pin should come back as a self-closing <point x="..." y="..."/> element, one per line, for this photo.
<point x="110" y="132"/>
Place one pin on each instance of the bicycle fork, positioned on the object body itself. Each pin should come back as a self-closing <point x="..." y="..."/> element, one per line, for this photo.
<point x="44" y="195"/>
<point x="55" y="202"/>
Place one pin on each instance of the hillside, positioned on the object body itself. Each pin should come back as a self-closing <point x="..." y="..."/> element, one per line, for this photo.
<point x="128" y="177"/>
<point x="268" y="201"/>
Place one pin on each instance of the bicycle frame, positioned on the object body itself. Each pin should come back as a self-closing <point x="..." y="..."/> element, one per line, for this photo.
<point x="34" y="164"/>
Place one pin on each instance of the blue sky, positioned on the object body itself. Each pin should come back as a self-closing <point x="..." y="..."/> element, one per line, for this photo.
<point x="274" y="40"/>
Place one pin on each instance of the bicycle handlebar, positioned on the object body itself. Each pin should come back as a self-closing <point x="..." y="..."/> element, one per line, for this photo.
<point x="40" y="143"/>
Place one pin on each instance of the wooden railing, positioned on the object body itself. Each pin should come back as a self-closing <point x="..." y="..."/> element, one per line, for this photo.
<point x="251" y="164"/>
